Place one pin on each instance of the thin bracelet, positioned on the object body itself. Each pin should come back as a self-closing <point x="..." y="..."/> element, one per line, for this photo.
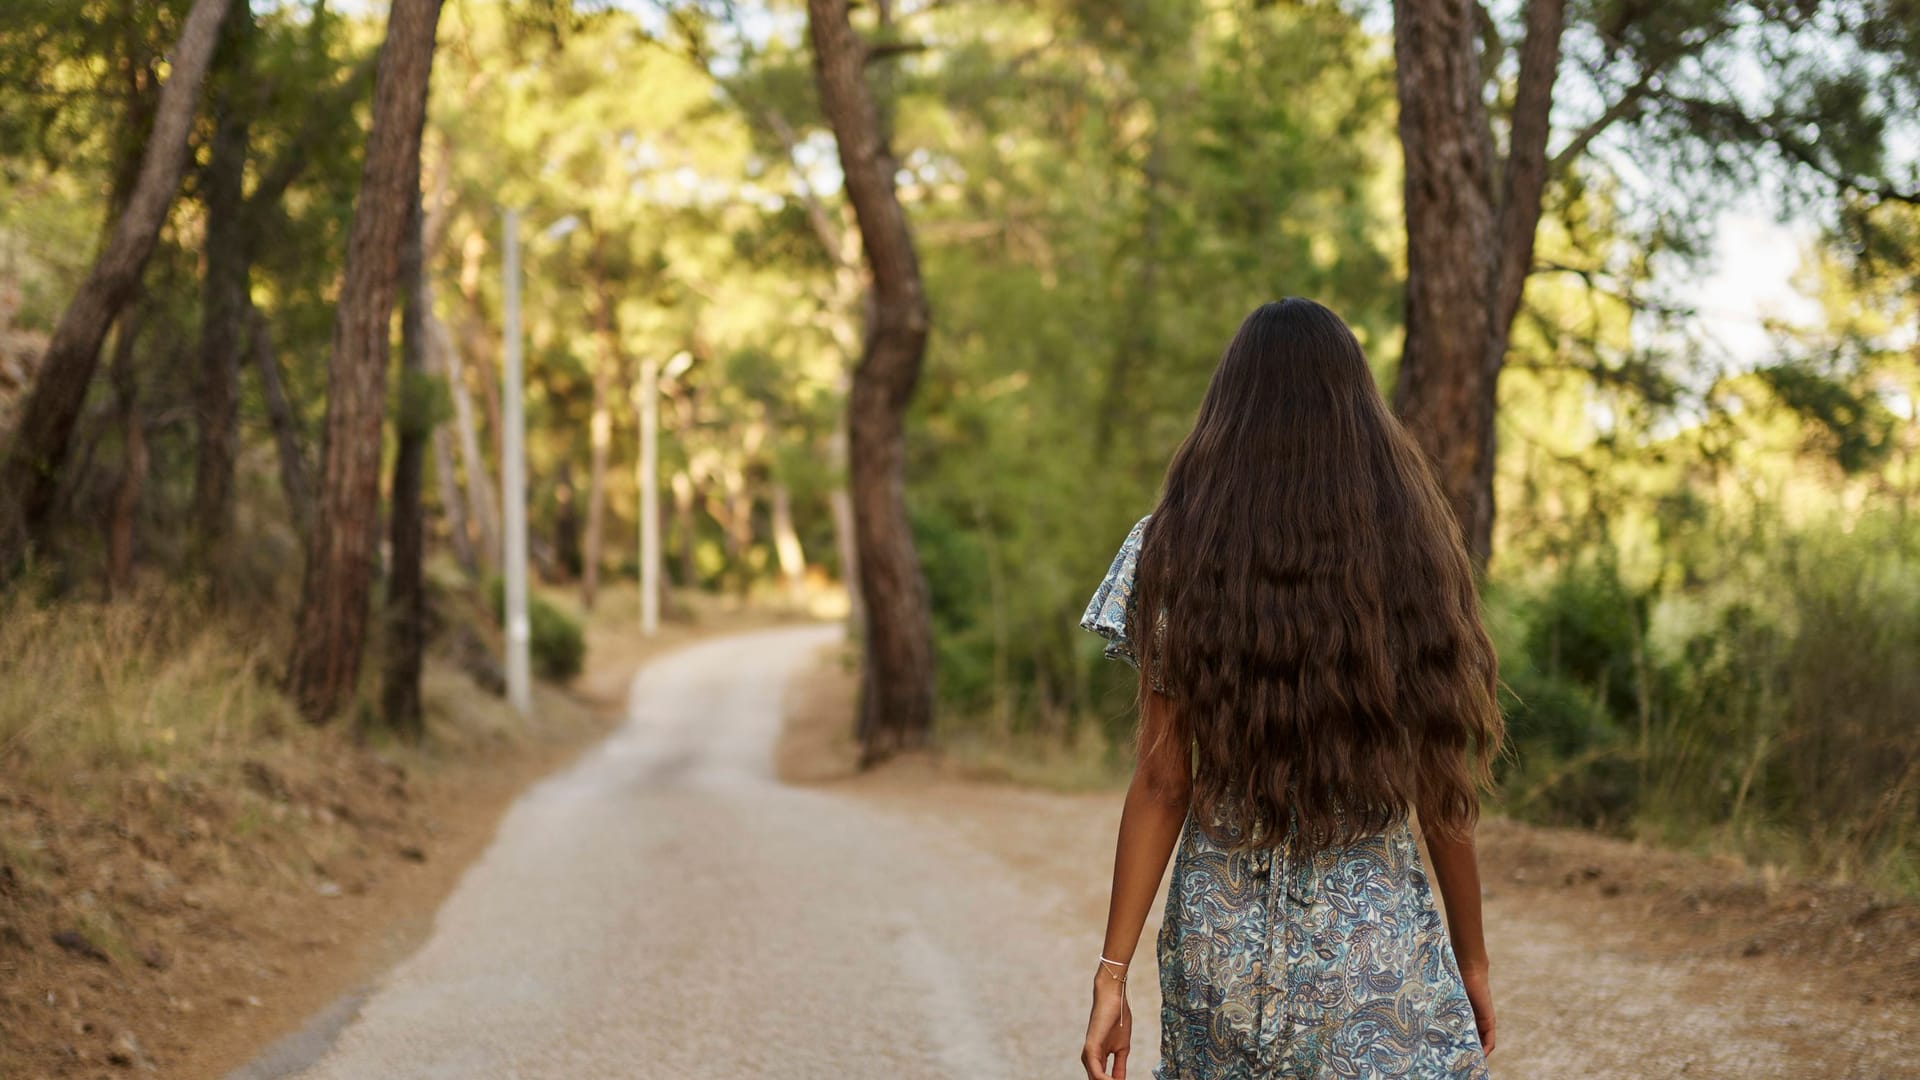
<point x="1115" y="963"/>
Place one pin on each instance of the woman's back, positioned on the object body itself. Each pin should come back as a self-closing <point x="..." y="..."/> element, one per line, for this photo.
<point x="1313" y="670"/>
<point x="1277" y="963"/>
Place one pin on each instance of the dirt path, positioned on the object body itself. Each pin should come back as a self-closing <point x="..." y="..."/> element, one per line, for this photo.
<point x="1578" y="994"/>
<point x="668" y="908"/>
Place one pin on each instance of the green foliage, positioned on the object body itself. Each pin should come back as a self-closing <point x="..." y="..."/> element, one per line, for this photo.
<point x="1704" y="619"/>
<point x="1586" y="628"/>
<point x="1129" y="215"/>
<point x="1565" y="669"/>
<point x="422" y="402"/>
<point x="955" y="560"/>
<point x="1775" y="702"/>
<point x="558" y="645"/>
<point x="1856" y="429"/>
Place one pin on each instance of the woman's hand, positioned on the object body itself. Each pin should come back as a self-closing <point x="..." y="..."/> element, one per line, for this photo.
<point x="1481" y="996"/>
<point x="1109" y="1030"/>
<point x="1457" y="871"/>
<point x="1150" y="824"/>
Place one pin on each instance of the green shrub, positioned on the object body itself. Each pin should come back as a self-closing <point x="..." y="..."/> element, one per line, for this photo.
<point x="1586" y="627"/>
<point x="1769" y="710"/>
<point x="557" y="645"/>
<point x="1568" y="762"/>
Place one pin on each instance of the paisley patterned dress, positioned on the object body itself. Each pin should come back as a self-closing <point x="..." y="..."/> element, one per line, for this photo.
<point x="1276" y="967"/>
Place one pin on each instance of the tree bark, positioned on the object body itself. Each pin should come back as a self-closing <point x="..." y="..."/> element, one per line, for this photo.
<point x="684" y="528"/>
<point x="406" y="612"/>
<point x="224" y="301"/>
<point x="486" y="519"/>
<point x="296" y="478"/>
<point x="1469" y="245"/>
<point x="564" y="561"/>
<point x="896" y="700"/>
<point x="469" y="362"/>
<point x="452" y="503"/>
<point x="433" y="346"/>
<point x="475" y="337"/>
<point x="1526" y="171"/>
<point x="737" y="512"/>
<point x="235" y="222"/>
<point x="30" y="470"/>
<point x="331" y="625"/>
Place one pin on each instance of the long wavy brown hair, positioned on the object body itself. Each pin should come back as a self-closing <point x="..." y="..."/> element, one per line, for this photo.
<point x="1322" y="644"/>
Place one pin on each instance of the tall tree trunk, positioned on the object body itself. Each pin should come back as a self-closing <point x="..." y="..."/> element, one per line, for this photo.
<point x="296" y="479"/>
<point x="606" y="372"/>
<point x="841" y="501"/>
<point x="471" y="517"/>
<point x="133" y="468"/>
<point x="786" y="544"/>
<point x="433" y="344"/>
<point x="565" y="559"/>
<point x="406" y="621"/>
<point x="224" y="300"/>
<point x="473" y="463"/>
<point x="846" y="293"/>
<point x="452" y="503"/>
<point x="684" y="528"/>
<point x="1441" y="393"/>
<point x="229" y="322"/>
<point x="737" y="512"/>
<point x="331" y="625"/>
<point x="896" y="700"/>
<point x="475" y="339"/>
<point x="31" y="468"/>
<point x="1469" y="243"/>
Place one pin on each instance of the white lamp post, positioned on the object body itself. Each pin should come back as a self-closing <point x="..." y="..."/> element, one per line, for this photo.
<point x="513" y="484"/>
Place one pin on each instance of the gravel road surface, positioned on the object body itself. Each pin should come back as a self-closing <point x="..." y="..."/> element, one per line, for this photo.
<point x="667" y="909"/>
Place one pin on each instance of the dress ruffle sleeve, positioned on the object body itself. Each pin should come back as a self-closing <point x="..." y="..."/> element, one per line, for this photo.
<point x="1110" y="611"/>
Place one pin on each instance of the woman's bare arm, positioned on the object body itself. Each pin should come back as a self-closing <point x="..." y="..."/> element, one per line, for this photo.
<point x="1457" y="871"/>
<point x="1150" y="821"/>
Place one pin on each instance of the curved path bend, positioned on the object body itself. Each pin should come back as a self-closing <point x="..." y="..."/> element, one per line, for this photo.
<point x="667" y="909"/>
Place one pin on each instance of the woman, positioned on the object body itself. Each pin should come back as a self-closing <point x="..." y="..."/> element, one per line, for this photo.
<point x="1316" y="675"/>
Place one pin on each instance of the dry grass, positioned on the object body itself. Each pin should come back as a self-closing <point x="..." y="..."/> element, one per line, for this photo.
<point x="149" y="679"/>
<point x="817" y="743"/>
<point x="187" y="863"/>
<point x="1084" y="761"/>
